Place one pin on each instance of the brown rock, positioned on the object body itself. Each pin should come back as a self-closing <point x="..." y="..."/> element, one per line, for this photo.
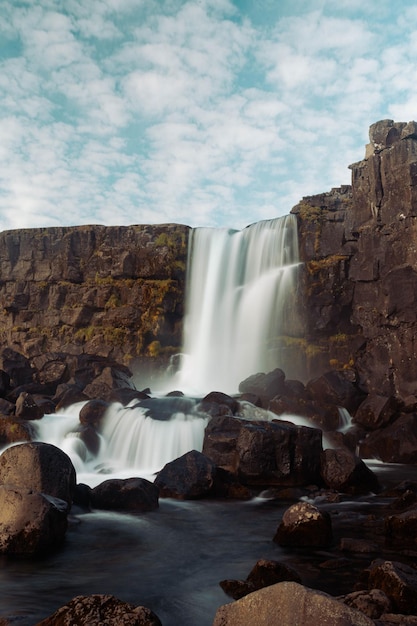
<point x="100" y="610"/>
<point x="372" y="603"/>
<point x="39" y="467"/>
<point x="342" y="470"/>
<point x="304" y="525"/>
<point x="30" y="523"/>
<point x="263" y="574"/>
<point x="401" y="529"/>
<point x="26" y="407"/>
<point x="129" y="494"/>
<point x="396" y="443"/>
<point x="398" y="581"/>
<point x="92" y="412"/>
<point x="376" y="411"/>
<point x="190" y="476"/>
<point x="291" y="604"/>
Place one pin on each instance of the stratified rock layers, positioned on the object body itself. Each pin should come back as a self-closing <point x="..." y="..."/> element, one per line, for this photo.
<point x="109" y="291"/>
<point x="119" y="292"/>
<point x="359" y="281"/>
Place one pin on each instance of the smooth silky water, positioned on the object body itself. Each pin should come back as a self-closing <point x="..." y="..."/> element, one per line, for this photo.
<point x="173" y="559"/>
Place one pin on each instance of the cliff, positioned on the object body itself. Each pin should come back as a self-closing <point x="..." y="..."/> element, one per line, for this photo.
<point x="118" y="292"/>
<point x="359" y="281"/>
<point x="110" y="291"/>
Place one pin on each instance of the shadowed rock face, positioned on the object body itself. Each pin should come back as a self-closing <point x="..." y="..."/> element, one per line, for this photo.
<point x="118" y="291"/>
<point x="112" y="291"/>
<point x="360" y="274"/>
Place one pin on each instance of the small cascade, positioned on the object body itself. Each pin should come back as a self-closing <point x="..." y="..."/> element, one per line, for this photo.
<point x="345" y="419"/>
<point x="237" y="304"/>
<point x="131" y="442"/>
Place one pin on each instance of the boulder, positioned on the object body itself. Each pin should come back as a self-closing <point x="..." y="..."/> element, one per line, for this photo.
<point x="376" y="411"/>
<point x="16" y="366"/>
<point x="264" y="452"/>
<point x="26" y="407"/>
<point x="334" y="388"/>
<point x="96" y="610"/>
<point x="291" y="604"/>
<point x="265" y="386"/>
<point x="190" y="476"/>
<point x="128" y="494"/>
<point x="92" y="412"/>
<point x="398" y="581"/>
<point x="343" y="471"/>
<point x="218" y="403"/>
<point x="401" y="529"/>
<point x="220" y="439"/>
<point x="39" y="467"/>
<point x="14" y="430"/>
<point x="372" y="603"/>
<point x="30" y="523"/>
<point x="304" y="525"/>
<point x="263" y="574"/>
<point x="397" y="443"/>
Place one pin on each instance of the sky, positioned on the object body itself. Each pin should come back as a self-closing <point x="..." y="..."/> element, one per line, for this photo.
<point x="202" y="112"/>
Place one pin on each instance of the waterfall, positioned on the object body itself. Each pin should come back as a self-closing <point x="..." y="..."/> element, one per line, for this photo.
<point x="238" y="284"/>
<point x="131" y="441"/>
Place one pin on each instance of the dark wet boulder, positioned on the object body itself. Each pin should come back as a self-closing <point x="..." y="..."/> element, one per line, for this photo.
<point x="304" y="525"/>
<point x="372" y="603"/>
<point x="92" y="412"/>
<point x="396" y="443"/>
<point x="291" y="604"/>
<point x="401" y="529"/>
<point x="68" y="394"/>
<point x="50" y="368"/>
<point x="220" y="439"/>
<point x="39" y="467"/>
<point x="163" y="409"/>
<point x="30" y="523"/>
<point x="96" y="610"/>
<point x="190" y="476"/>
<point x="218" y="403"/>
<point x="16" y="366"/>
<point x="343" y="471"/>
<point x="398" y="581"/>
<point x="125" y="494"/>
<point x="263" y="452"/>
<point x="335" y="388"/>
<point x="264" y="573"/>
<point x="26" y="407"/>
<point x="14" y="430"/>
<point x="376" y="411"/>
<point x="82" y="496"/>
<point x="265" y="386"/>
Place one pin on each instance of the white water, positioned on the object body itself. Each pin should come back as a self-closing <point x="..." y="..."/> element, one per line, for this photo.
<point x="237" y="292"/>
<point x="238" y="284"/>
<point x="131" y="442"/>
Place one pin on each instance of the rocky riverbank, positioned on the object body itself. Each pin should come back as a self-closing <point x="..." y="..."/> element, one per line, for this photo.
<point x="250" y="448"/>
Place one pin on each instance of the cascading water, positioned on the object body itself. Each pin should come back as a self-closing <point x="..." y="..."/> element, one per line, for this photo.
<point x="130" y="442"/>
<point x="237" y="299"/>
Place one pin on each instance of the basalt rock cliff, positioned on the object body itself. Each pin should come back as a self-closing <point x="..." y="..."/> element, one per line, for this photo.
<point x="111" y="291"/>
<point x="359" y="279"/>
<point x="119" y="292"/>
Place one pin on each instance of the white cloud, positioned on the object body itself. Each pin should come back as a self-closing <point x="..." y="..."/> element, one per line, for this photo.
<point x="120" y="111"/>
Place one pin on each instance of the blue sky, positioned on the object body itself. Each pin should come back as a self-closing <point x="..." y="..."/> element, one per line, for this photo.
<point x="201" y="112"/>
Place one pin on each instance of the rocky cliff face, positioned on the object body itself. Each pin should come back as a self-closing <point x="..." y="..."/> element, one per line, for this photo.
<point x="118" y="292"/>
<point x="359" y="281"/>
<point x="110" y="291"/>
